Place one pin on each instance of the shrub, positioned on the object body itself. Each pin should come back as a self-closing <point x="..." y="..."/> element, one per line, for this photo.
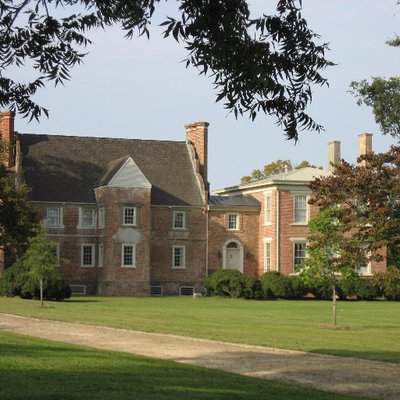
<point x="299" y="288"/>
<point x="225" y="282"/>
<point x="252" y="288"/>
<point x="322" y="289"/>
<point x="388" y="283"/>
<point x="348" y="286"/>
<point x="276" y="285"/>
<point x="17" y="281"/>
<point x="366" y="290"/>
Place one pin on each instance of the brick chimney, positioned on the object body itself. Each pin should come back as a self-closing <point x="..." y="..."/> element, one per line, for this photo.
<point x="197" y="135"/>
<point x="364" y="146"/>
<point x="333" y="155"/>
<point x="7" y="134"/>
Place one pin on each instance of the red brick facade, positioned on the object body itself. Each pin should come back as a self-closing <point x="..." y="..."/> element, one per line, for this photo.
<point x="124" y="243"/>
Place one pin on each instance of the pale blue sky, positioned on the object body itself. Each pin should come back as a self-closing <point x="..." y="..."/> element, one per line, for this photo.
<point x="141" y="89"/>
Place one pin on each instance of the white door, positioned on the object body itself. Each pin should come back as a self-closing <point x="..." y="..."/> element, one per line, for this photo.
<point x="233" y="257"/>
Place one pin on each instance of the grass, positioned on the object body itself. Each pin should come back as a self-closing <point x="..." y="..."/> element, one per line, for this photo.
<point x="32" y="369"/>
<point x="368" y="330"/>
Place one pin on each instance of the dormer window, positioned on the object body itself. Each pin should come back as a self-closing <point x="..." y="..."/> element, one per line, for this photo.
<point x="129" y="216"/>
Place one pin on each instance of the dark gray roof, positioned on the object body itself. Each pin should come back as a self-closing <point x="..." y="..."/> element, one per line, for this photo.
<point x="233" y="201"/>
<point x="67" y="168"/>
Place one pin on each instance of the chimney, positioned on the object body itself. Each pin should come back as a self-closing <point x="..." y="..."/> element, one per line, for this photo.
<point x="333" y="155"/>
<point x="197" y="135"/>
<point x="7" y="135"/>
<point x="364" y="146"/>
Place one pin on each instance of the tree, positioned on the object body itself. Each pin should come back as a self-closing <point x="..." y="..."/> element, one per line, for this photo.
<point x="383" y="95"/>
<point x="267" y="64"/>
<point x="333" y="253"/>
<point x="371" y="216"/>
<point x="40" y="261"/>
<point x="17" y="219"/>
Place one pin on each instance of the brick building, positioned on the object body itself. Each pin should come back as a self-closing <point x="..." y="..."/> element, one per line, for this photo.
<point x="135" y="217"/>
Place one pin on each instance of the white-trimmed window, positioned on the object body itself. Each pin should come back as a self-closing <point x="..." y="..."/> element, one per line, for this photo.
<point x="55" y="252"/>
<point x="178" y="256"/>
<point x="179" y="220"/>
<point x="87" y="218"/>
<point x="87" y="255"/>
<point x="54" y="216"/>
<point x="101" y="218"/>
<point x="233" y="222"/>
<point x="267" y="254"/>
<point x="300" y="209"/>
<point x="267" y="209"/>
<point x="101" y="255"/>
<point x="129" y="216"/>
<point x="299" y="254"/>
<point x="128" y="255"/>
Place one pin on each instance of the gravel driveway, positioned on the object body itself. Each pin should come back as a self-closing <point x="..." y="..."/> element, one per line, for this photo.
<point x="336" y="374"/>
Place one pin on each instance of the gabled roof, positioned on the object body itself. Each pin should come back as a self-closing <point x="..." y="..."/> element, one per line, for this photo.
<point x="67" y="168"/>
<point x="295" y="176"/>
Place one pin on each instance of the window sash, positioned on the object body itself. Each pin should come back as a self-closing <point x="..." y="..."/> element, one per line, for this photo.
<point x="87" y="255"/>
<point x="299" y="254"/>
<point x="267" y="210"/>
<point x="233" y="220"/>
<point x="101" y="255"/>
<point x="87" y="217"/>
<point x="101" y="217"/>
<point x="178" y="257"/>
<point x="128" y="255"/>
<point x="267" y="256"/>
<point x="179" y="220"/>
<point x="300" y="208"/>
<point x="129" y="216"/>
<point x="53" y="216"/>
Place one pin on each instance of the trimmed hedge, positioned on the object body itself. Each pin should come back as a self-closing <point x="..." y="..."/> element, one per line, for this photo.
<point x="225" y="282"/>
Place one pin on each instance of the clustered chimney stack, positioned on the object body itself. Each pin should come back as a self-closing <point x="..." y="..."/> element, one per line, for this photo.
<point x="197" y="135"/>
<point x="7" y="134"/>
<point x="364" y="146"/>
<point x="333" y="155"/>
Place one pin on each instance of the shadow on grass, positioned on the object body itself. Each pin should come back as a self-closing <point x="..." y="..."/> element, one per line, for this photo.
<point x="32" y="369"/>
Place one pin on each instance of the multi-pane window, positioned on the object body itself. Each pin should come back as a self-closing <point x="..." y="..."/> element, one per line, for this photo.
<point x="267" y="209"/>
<point x="128" y="255"/>
<point x="300" y="208"/>
<point x="129" y="216"/>
<point x="299" y="255"/>
<point x="178" y="257"/>
<point x="87" y="215"/>
<point x="267" y="256"/>
<point x="101" y="217"/>
<point x="179" y="220"/>
<point x="233" y="221"/>
<point x="87" y="257"/>
<point x="53" y="216"/>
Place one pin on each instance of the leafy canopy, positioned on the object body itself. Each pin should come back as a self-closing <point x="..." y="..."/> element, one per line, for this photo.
<point x="267" y="64"/>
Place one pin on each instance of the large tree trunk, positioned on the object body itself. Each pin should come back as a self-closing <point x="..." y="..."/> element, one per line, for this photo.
<point x="334" y="304"/>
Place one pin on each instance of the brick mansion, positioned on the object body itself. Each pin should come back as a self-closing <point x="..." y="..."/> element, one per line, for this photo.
<point x="136" y="217"/>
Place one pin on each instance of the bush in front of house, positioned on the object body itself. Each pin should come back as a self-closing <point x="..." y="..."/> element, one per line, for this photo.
<point x="17" y="281"/>
<point x="225" y="282"/>
<point x="275" y="285"/>
<point x="252" y="288"/>
<point x="388" y="283"/>
<point x="299" y="288"/>
<point x="365" y="289"/>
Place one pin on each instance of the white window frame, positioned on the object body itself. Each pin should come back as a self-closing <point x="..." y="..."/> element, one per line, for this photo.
<point x="59" y="216"/>
<point x="296" y="241"/>
<point x="267" y="260"/>
<point x="124" y="216"/>
<point x="92" y="246"/>
<point x="182" y="257"/>
<point x="296" y="220"/>
<point x="237" y="220"/>
<point x="101" y="218"/>
<point x="82" y="211"/>
<point x="125" y="246"/>
<point x="101" y="255"/>
<point x="268" y="209"/>
<point x="176" y="219"/>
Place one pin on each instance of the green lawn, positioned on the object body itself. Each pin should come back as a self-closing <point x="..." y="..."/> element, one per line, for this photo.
<point x="369" y="330"/>
<point x="32" y="369"/>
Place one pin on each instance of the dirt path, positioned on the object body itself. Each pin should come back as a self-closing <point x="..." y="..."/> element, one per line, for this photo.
<point x="336" y="374"/>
